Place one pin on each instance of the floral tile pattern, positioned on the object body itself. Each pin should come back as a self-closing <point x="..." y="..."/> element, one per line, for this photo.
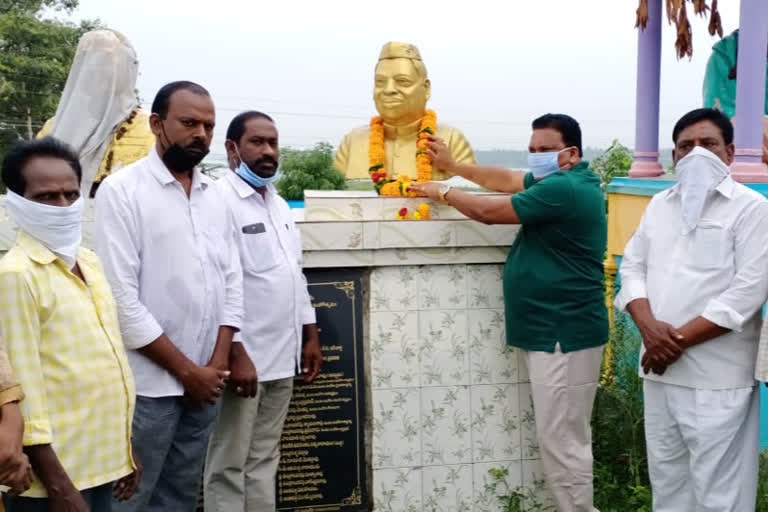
<point x="394" y="289"/>
<point x="396" y="428"/>
<point x="331" y="235"/>
<point x="447" y="488"/>
<point x="450" y="400"/>
<point x="446" y="425"/>
<point x="495" y="423"/>
<point x="442" y="287"/>
<point x="394" y="349"/>
<point x="485" y="286"/>
<point x="530" y="446"/>
<point x="444" y="347"/>
<point x="404" y="233"/>
<point x="397" y="490"/>
<point x="492" y="361"/>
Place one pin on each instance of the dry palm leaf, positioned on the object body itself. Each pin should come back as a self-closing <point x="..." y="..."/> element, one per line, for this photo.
<point x="700" y="7"/>
<point x="715" y="23"/>
<point x="683" y="44"/>
<point x="673" y="8"/>
<point x="677" y="14"/>
<point x="642" y="15"/>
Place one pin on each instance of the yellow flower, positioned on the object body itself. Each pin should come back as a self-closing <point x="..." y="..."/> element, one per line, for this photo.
<point x="391" y="189"/>
<point x="377" y="155"/>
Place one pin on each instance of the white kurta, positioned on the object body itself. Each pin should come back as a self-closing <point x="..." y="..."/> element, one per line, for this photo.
<point x="718" y="271"/>
<point x="277" y="303"/>
<point x="172" y="263"/>
<point x="702" y="414"/>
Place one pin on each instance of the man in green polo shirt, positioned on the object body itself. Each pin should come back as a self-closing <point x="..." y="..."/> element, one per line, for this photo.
<point x="553" y="288"/>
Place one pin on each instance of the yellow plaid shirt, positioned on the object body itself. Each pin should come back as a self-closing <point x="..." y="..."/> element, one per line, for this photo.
<point x="10" y="389"/>
<point x="64" y="344"/>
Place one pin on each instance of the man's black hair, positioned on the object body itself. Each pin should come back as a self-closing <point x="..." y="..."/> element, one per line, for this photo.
<point x="567" y="126"/>
<point x="19" y="154"/>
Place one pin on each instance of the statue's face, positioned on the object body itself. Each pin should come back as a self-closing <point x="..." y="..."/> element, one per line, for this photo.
<point x="400" y="92"/>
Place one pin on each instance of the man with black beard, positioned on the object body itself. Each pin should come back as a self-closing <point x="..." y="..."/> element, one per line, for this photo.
<point x="165" y="237"/>
<point x="279" y="336"/>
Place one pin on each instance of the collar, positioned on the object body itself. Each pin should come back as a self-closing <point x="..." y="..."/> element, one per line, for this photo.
<point x="725" y="188"/>
<point x="392" y="131"/>
<point x="244" y="189"/>
<point x="583" y="164"/>
<point x="161" y="173"/>
<point x="37" y="252"/>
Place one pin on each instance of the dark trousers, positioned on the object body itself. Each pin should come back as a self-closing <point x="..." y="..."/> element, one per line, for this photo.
<point x="99" y="499"/>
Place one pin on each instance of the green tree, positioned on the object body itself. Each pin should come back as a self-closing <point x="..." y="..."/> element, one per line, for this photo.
<point x="308" y="169"/>
<point x="36" y="52"/>
<point x="614" y="162"/>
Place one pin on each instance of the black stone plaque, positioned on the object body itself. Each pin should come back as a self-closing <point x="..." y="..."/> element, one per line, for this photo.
<point x="323" y="462"/>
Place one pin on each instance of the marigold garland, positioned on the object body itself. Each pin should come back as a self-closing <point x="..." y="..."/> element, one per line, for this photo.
<point x="398" y="186"/>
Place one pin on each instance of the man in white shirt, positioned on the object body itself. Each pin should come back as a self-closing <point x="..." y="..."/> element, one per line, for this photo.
<point x="164" y="235"/>
<point x="279" y="336"/>
<point x="694" y="277"/>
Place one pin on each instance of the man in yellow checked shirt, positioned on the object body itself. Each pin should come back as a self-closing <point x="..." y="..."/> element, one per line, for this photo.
<point x="59" y="321"/>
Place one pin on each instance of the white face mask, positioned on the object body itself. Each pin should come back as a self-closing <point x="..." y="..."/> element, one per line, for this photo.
<point x="56" y="227"/>
<point x="698" y="174"/>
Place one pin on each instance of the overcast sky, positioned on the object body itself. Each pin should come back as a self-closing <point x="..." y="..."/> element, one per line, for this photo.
<point x="494" y="64"/>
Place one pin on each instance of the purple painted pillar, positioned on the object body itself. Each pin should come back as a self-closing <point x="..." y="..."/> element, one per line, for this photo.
<point x="750" y="93"/>
<point x="646" y="162"/>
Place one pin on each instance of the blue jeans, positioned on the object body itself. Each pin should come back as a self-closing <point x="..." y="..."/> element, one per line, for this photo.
<point x="171" y="441"/>
<point x="98" y="499"/>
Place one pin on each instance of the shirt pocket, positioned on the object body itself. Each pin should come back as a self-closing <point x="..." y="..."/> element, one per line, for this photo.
<point x="259" y="245"/>
<point x="712" y="245"/>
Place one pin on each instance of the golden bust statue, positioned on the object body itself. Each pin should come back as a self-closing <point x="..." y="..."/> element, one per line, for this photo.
<point x="401" y="90"/>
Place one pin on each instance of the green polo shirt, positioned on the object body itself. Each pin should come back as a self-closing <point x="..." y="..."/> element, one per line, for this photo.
<point x="553" y="278"/>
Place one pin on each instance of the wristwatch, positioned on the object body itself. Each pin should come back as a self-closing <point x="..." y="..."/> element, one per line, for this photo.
<point x="443" y="191"/>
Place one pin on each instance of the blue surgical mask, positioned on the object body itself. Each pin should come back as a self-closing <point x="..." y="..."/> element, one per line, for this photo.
<point x="254" y="179"/>
<point x="542" y="165"/>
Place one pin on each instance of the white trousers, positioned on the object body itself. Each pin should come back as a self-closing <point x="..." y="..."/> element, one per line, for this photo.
<point x="244" y="451"/>
<point x="563" y="387"/>
<point x="703" y="447"/>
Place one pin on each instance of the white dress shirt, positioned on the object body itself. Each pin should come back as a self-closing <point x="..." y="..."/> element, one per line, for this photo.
<point x="718" y="271"/>
<point x="171" y="262"/>
<point x="277" y="303"/>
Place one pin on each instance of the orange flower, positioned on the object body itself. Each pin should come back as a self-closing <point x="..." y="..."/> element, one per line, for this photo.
<point x="377" y="157"/>
<point x="391" y="189"/>
<point x="376" y="146"/>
